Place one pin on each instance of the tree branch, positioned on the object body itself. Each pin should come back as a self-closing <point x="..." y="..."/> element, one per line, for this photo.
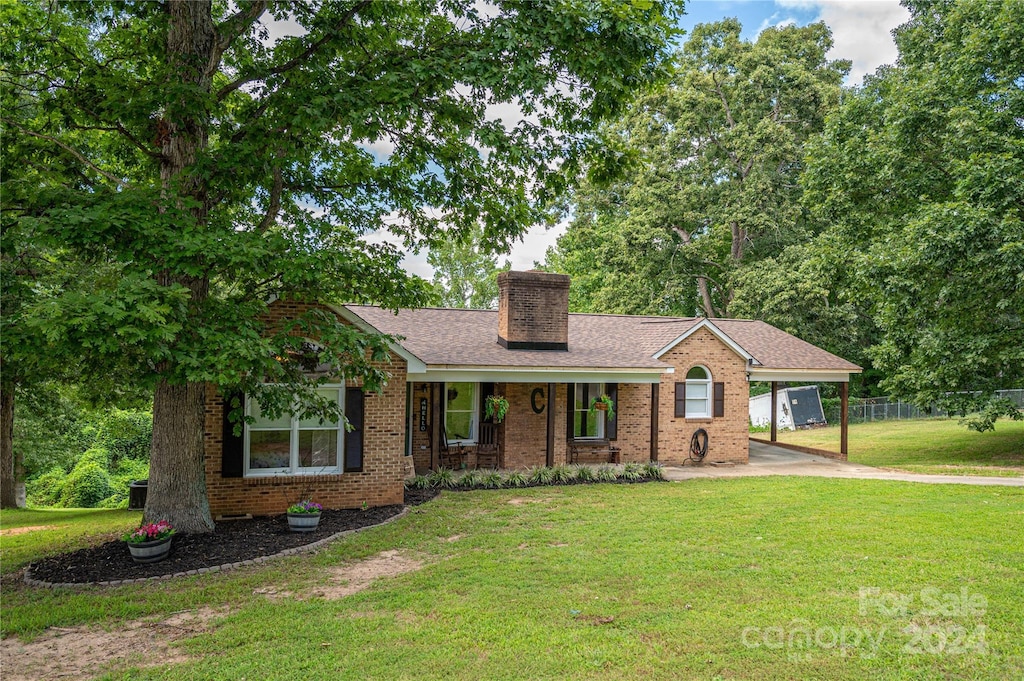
<point x="118" y="128"/>
<point x="296" y="61"/>
<point x="74" y="152"/>
<point x="274" y="206"/>
<point x="230" y="29"/>
<point x="725" y="102"/>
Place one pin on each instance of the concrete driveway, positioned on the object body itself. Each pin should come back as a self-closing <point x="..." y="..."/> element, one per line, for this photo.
<point x="770" y="460"/>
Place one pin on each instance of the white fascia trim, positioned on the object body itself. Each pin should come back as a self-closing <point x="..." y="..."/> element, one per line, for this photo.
<point x="538" y="375"/>
<point x="705" y="323"/>
<point x="825" y="375"/>
<point x="413" y="363"/>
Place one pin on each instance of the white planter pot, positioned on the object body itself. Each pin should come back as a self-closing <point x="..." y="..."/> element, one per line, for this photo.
<point x="151" y="551"/>
<point x="303" y="522"/>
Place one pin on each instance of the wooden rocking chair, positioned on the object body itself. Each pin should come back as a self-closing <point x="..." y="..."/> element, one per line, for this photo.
<point x="452" y="455"/>
<point x="488" y="453"/>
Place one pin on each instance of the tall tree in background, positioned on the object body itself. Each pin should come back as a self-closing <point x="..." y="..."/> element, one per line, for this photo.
<point x="920" y="175"/>
<point x="216" y="170"/>
<point x="717" y="155"/>
<point x="465" y="272"/>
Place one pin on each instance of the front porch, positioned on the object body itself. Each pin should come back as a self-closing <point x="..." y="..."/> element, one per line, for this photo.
<point x="447" y="426"/>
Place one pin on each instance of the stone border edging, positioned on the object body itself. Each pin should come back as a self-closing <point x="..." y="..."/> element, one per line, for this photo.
<point x="305" y="548"/>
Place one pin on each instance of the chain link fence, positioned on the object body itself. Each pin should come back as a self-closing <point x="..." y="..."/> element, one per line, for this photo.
<point x="885" y="408"/>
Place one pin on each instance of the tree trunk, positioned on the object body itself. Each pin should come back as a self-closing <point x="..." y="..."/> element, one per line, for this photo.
<point x="177" y="475"/>
<point x="705" y="296"/>
<point x="8" y="470"/>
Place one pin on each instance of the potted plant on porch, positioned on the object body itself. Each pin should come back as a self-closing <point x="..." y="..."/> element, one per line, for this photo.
<point x="603" y="403"/>
<point x="495" y="406"/>
<point x="151" y="542"/>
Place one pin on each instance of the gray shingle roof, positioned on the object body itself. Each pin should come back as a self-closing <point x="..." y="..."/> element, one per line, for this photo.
<point x="444" y="337"/>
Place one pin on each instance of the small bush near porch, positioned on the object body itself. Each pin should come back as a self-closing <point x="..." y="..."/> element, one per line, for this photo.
<point x="937" y="446"/>
<point x="767" y="578"/>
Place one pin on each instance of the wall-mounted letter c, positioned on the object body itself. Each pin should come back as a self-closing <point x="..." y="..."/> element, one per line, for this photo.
<point x="537" y="396"/>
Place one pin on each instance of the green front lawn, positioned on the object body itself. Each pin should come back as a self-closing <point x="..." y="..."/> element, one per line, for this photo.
<point x="703" y="579"/>
<point x="30" y="534"/>
<point x="939" y="446"/>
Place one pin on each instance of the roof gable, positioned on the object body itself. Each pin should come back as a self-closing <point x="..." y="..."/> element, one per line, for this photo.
<point x="705" y="323"/>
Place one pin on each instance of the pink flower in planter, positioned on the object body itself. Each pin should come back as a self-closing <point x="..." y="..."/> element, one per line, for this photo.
<point x="151" y="532"/>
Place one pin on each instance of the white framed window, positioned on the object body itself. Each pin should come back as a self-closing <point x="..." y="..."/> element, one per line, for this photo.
<point x="461" y="408"/>
<point x="587" y="424"/>
<point x="698" y="393"/>
<point x="292" y="446"/>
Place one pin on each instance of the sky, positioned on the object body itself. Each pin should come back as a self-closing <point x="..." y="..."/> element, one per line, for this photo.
<point x="861" y="31"/>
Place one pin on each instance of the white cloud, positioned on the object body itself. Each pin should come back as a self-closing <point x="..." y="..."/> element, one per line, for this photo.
<point x="861" y="29"/>
<point x="533" y="246"/>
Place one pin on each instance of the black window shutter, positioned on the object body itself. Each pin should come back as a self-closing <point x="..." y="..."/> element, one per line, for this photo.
<point x="354" y="437"/>
<point x="486" y="390"/>
<point x="681" y="399"/>
<point x="719" y="400"/>
<point x="611" y="426"/>
<point x="231" y="455"/>
<point x="569" y="413"/>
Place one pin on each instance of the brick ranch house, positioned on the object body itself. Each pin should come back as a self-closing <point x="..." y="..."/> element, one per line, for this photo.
<point x="667" y="377"/>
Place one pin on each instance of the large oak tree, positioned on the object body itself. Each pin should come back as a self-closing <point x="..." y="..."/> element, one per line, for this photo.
<point x="715" y="157"/>
<point x="216" y="169"/>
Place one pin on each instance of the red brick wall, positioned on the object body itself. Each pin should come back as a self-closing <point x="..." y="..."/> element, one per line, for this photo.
<point x="633" y="414"/>
<point x="524" y="433"/>
<point x="728" y="436"/>
<point x="533" y="307"/>
<point x="379" y="484"/>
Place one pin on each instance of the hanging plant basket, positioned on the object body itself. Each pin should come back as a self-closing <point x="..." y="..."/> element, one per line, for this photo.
<point x="495" y="407"/>
<point x="605" y="404"/>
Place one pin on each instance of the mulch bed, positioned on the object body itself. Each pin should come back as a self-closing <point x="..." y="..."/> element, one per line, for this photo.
<point x="231" y="542"/>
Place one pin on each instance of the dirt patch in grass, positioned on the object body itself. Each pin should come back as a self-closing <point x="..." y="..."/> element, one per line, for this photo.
<point x="354" y="577"/>
<point x="25" y="530"/>
<point x="84" y="652"/>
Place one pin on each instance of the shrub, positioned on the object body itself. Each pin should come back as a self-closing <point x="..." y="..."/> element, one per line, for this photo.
<point x="654" y="471"/>
<point x="516" y="479"/>
<point x="97" y="455"/>
<point x="86" y="486"/>
<point x="493" y="480"/>
<point x="471" y="480"/>
<point x="418" y="482"/>
<point x="606" y="474"/>
<point x="45" y="489"/>
<point x="561" y="475"/>
<point x="584" y="473"/>
<point x="443" y="478"/>
<point x="126" y="434"/>
<point x="541" y="475"/>
<point x="632" y="471"/>
<point x="127" y="472"/>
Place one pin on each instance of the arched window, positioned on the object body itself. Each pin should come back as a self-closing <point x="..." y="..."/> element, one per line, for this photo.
<point x="698" y="393"/>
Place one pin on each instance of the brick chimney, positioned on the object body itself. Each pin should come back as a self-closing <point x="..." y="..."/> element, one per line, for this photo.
<point x="533" y="310"/>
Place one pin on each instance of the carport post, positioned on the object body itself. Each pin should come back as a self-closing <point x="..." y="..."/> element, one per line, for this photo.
<point x="844" y="418"/>
<point x="775" y="404"/>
